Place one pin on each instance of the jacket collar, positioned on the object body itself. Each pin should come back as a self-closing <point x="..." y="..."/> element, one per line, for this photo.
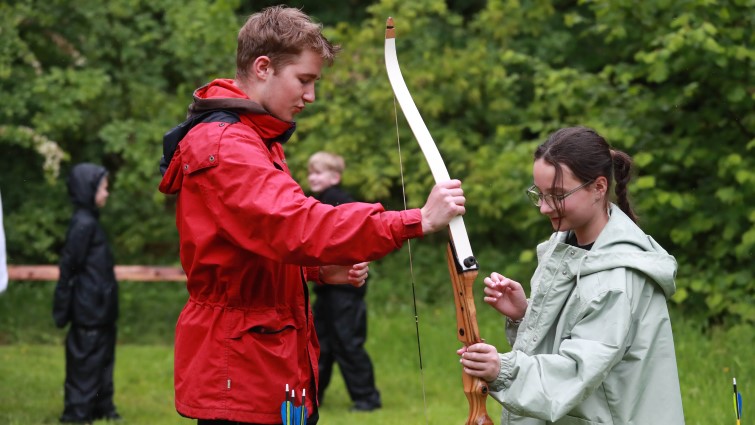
<point x="224" y="94"/>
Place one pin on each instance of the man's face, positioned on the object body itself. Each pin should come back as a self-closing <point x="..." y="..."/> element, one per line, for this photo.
<point x="287" y="90"/>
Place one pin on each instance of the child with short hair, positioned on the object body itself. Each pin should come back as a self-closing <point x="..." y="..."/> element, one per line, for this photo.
<point x="340" y="311"/>
<point x="325" y="170"/>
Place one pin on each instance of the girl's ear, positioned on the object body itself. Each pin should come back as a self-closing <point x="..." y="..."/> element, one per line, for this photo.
<point x="601" y="185"/>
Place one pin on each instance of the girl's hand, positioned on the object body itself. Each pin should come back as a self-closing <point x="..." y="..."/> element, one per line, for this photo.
<point x="505" y="295"/>
<point x="480" y="360"/>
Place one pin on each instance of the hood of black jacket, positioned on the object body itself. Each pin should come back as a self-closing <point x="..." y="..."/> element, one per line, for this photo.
<point x="82" y="184"/>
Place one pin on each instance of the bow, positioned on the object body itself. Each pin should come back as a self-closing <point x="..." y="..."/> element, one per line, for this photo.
<point x="462" y="264"/>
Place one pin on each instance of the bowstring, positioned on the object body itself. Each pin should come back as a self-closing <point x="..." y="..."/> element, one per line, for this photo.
<point x="411" y="266"/>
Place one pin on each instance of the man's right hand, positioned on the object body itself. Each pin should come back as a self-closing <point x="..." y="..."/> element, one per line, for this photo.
<point x="445" y="202"/>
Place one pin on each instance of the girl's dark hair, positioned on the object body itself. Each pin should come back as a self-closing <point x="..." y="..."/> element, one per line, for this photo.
<point x="588" y="156"/>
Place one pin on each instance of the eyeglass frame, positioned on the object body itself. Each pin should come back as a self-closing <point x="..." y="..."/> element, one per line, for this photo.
<point x="538" y="202"/>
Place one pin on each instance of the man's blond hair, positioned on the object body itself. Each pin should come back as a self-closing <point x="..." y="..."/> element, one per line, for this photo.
<point x="326" y="161"/>
<point x="281" y="33"/>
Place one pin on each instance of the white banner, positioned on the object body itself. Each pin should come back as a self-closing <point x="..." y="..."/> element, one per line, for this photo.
<point x="3" y="265"/>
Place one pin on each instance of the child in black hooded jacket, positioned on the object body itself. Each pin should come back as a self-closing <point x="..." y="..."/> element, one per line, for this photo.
<point x="86" y="295"/>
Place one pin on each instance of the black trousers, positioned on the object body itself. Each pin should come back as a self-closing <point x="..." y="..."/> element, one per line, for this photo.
<point x="341" y="324"/>
<point x="90" y="360"/>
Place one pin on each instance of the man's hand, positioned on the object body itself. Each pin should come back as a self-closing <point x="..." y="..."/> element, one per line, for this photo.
<point x="354" y="275"/>
<point x="445" y="202"/>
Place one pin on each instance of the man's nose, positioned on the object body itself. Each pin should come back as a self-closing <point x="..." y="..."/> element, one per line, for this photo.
<point x="309" y="95"/>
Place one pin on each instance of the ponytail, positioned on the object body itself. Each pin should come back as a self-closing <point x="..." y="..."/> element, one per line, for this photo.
<point x="622" y="172"/>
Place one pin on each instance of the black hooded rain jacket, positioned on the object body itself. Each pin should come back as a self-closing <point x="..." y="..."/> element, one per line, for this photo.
<point x="87" y="292"/>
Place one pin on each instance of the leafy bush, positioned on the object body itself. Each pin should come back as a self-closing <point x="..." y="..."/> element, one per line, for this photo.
<point x="671" y="83"/>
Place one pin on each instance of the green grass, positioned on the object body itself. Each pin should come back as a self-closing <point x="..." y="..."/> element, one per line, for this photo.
<point x="32" y="360"/>
<point x="32" y="384"/>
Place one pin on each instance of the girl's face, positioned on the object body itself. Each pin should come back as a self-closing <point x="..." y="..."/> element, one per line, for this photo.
<point x="319" y="180"/>
<point x="583" y="211"/>
<point x="100" y="197"/>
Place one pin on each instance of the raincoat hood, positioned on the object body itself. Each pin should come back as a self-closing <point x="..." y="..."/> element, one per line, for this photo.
<point x="222" y="101"/>
<point x="82" y="184"/>
<point x="224" y="94"/>
<point x="623" y="244"/>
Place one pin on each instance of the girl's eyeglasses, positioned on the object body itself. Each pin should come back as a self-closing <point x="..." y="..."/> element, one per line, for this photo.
<point x="552" y="200"/>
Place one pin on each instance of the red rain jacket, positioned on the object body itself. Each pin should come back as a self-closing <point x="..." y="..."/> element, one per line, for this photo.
<point x="247" y="236"/>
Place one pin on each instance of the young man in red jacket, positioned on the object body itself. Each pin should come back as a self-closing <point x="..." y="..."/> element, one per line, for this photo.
<point x="250" y="238"/>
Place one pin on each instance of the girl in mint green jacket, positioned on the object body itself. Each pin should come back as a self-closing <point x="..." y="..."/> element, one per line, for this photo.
<point x="593" y="343"/>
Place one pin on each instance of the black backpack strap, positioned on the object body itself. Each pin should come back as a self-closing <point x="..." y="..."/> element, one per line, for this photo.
<point x="172" y="138"/>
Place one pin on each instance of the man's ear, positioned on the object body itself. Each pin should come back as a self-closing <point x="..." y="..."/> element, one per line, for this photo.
<point x="262" y="67"/>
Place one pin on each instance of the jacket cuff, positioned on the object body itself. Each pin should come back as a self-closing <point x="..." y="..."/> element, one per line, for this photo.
<point x="512" y="328"/>
<point x="312" y="274"/>
<point x="410" y="225"/>
<point x="506" y="374"/>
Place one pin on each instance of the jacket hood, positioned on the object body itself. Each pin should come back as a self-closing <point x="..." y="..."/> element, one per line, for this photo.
<point x="623" y="244"/>
<point x="82" y="184"/>
<point x="222" y="100"/>
<point x="223" y="94"/>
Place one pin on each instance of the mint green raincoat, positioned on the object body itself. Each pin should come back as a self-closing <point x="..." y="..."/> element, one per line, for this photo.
<point x="595" y="346"/>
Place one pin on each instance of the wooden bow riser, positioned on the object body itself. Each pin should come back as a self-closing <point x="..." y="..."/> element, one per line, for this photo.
<point x="463" y="273"/>
<point x="468" y="333"/>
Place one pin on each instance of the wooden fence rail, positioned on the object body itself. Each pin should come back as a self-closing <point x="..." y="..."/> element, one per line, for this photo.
<point x="122" y="273"/>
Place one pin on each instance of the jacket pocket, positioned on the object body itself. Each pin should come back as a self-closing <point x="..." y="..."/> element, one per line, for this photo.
<point x="261" y="354"/>
<point x="262" y="323"/>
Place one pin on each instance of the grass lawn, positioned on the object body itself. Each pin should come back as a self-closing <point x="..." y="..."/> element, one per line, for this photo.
<point x="32" y="362"/>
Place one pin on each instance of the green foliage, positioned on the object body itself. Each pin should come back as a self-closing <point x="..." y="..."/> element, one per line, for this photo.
<point x="667" y="82"/>
<point x="103" y="82"/>
<point x="671" y="83"/>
